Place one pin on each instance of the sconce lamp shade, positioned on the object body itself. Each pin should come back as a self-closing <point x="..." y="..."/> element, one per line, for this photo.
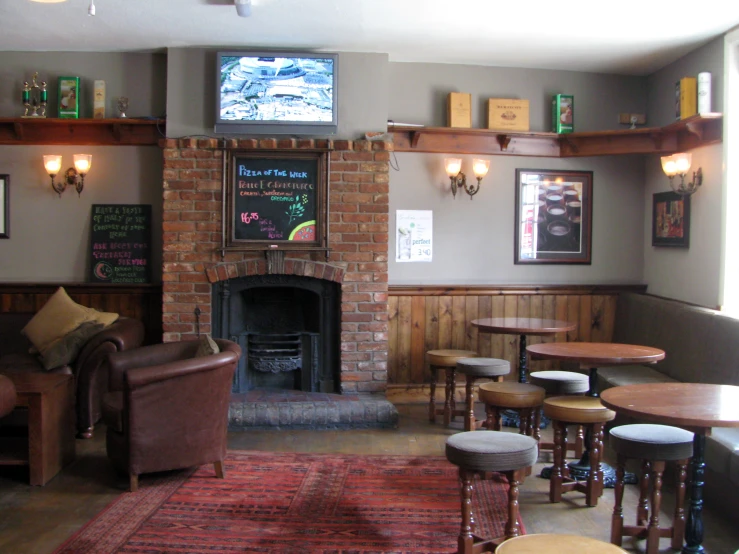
<point x="480" y="167"/>
<point x="677" y="164"/>
<point x="82" y="163"/>
<point x="453" y="166"/>
<point x="52" y="163"/>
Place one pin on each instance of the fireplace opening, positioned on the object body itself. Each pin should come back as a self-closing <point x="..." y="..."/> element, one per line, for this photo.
<point x="288" y="329"/>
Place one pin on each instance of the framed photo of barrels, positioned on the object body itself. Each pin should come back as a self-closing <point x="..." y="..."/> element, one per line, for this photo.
<point x="554" y="213"/>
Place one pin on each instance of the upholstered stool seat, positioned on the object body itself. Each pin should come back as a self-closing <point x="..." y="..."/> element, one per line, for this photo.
<point x="522" y="397"/>
<point x="653" y="445"/>
<point x="558" y="383"/>
<point x="479" y="368"/>
<point x="556" y="544"/>
<point x="480" y="452"/>
<point x="446" y="360"/>
<point x="581" y="410"/>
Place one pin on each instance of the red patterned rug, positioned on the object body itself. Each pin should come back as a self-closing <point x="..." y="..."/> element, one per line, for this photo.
<point x="273" y="502"/>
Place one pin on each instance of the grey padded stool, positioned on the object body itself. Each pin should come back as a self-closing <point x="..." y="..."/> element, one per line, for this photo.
<point x="561" y="383"/>
<point x="479" y="368"/>
<point x="653" y="445"/>
<point x="480" y="452"/>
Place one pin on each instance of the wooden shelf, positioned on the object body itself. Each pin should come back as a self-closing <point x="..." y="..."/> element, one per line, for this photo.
<point x="699" y="130"/>
<point x="103" y="132"/>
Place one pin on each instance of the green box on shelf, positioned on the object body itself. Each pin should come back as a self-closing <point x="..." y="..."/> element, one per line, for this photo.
<point x="69" y="97"/>
<point x="563" y="113"/>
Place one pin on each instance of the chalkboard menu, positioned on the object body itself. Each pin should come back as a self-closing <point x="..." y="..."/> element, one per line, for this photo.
<point x="277" y="200"/>
<point x="121" y="243"/>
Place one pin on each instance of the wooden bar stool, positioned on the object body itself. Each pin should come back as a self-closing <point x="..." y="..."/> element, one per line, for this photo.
<point x="525" y="398"/>
<point x="653" y="445"/>
<point x="578" y="410"/>
<point x="479" y="368"/>
<point x="479" y="452"/>
<point x="446" y="360"/>
<point x="556" y="544"/>
<point x="560" y="383"/>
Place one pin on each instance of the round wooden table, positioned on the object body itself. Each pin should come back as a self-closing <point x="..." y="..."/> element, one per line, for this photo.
<point x="591" y="355"/>
<point x="696" y="407"/>
<point x="523" y="326"/>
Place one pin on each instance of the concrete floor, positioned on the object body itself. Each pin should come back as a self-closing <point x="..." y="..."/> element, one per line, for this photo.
<point x="35" y="520"/>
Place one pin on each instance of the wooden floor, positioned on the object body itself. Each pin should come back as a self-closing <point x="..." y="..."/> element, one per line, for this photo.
<point x="35" y="520"/>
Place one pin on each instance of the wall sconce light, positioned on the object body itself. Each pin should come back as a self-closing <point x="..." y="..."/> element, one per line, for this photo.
<point x="679" y="164"/>
<point x="458" y="179"/>
<point x="73" y="176"/>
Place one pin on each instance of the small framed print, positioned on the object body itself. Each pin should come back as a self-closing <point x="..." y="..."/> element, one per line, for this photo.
<point x="671" y="219"/>
<point x="554" y="212"/>
<point x="69" y="97"/>
<point x="4" y="207"/>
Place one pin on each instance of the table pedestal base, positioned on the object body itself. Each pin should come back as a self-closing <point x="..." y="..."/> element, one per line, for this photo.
<point x="509" y="418"/>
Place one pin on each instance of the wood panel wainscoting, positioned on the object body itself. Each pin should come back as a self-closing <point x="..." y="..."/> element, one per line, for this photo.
<point x="143" y="302"/>
<point x="425" y="318"/>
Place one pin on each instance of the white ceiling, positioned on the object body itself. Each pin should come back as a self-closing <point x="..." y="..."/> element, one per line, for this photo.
<point x="628" y="37"/>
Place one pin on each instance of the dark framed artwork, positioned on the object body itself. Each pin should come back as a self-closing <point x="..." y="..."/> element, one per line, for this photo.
<point x="554" y="215"/>
<point x="671" y="219"/>
<point x="4" y="207"/>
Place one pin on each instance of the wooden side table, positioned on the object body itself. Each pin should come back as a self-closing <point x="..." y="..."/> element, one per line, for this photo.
<point x="50" y="441"/>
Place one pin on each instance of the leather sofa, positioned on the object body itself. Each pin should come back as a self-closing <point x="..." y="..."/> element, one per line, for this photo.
<point x="168" y="407"/>
<point x="701" y="346"/>
<point x="88" y="369"/>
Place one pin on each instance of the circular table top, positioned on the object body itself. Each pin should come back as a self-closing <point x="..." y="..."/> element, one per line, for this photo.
<point x="596" y="353"/>
<point x="523" y="325"/>
<point x="691" y="405"/>
<point x="556" y="544"/>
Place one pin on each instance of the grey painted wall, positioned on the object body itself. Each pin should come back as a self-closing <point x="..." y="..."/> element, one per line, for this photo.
<point x="363" y="99"/>
<point x="690" y="274"/>
<point x="473" y="239"/>
<point x="49" y="236"/>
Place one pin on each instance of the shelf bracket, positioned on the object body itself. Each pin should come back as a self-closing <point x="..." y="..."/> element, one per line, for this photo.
<point x="657" y="140"/>
<point x="18" y="128"/>
<point x="695" y="128"/>
<point x="503" y="142"/>
<point x="117" y="132"/>
<point x="415" y="137"/>
<point x="571" y="145"/>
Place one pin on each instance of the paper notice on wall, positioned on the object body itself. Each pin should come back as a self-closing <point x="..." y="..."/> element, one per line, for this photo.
<point x="413" y="235"/>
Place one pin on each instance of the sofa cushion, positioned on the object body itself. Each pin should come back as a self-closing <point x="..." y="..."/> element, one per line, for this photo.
<point x="64" y="351"/>
<point x="27" y="363"/>
<point x="721" y="445"/>
<point x="59" y="316"/>
<point x="630" y="375"/>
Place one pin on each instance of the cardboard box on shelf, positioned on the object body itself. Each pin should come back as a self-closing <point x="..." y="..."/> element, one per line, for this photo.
<point x="459" y="110"/>
<point x="686" y="93"/>
<point x="98" y="106"/>
<point x="563" y="113"/>
<point x="508" y="114"/>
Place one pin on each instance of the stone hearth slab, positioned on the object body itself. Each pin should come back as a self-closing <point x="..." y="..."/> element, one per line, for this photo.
<point x="285" y="409"/>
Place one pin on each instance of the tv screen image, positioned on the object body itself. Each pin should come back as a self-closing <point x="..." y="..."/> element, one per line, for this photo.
<point x="276" y="93"/>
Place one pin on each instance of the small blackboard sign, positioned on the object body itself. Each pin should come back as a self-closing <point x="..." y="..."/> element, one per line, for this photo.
<point x="277" y="200"/>
<point x="121" y="243"/>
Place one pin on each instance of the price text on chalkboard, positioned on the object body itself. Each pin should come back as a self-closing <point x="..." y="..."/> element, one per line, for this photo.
<point x="277" y="200"/>
<point x="121" y="243"/>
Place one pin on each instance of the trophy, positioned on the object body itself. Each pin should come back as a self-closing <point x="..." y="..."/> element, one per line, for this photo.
<point x="34" y="98"/>
<point x="122" y="106"/>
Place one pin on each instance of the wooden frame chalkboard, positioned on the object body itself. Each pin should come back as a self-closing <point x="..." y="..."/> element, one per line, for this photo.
<point x="276" y="200"/>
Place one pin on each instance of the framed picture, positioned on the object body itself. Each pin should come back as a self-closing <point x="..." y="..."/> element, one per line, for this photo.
<point x="554" y="213"/>
<point x="670" y="219"/>
<point x="4" y="207"/>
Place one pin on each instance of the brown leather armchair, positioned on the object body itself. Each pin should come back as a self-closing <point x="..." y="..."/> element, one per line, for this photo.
<point x="7" y="396"/>
<point x="167" y="409"/>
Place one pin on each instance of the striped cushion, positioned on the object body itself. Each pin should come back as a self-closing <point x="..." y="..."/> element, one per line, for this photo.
<point x="561" y="382"/>
<point x="483" y="367"/>
<point x="652" y="442"/>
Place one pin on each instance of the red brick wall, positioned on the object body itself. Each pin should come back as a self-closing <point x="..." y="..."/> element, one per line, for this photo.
<point x="359" y="214"/>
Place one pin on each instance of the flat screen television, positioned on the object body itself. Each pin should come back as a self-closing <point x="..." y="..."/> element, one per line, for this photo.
<point x="276" y="93"/>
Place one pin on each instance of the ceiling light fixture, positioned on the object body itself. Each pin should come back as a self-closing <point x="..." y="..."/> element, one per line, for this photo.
<point x="243" y="7"/>
<point x="91" y="9"/>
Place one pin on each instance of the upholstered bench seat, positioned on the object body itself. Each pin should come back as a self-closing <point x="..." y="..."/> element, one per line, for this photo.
<point x="618" y="376"/>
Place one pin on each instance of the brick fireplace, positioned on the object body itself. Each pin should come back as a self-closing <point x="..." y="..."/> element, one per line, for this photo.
<point x="358" y="228"/>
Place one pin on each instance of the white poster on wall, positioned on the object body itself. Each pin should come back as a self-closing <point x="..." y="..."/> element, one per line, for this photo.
<point x="413" y="235"/>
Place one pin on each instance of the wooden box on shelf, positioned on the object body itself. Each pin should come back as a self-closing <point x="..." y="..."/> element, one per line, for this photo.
<point x="459" y="110"/>
<point x="508" y="114"/>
